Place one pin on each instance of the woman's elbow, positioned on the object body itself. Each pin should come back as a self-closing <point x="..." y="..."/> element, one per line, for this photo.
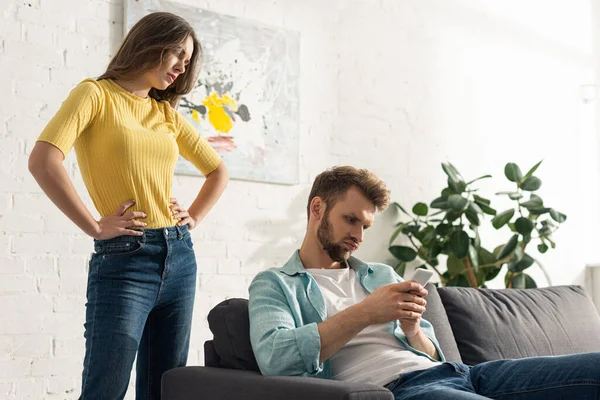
<point x="42" y="157"/>
<point x="220" y="173"/>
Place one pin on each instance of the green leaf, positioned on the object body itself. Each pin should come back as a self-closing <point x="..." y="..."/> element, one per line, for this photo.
<point x="523" y="281"/>
<point x="558" y="217"/>
<point x="480" y="200"/>
<point x="440" y="203"/>
<point x="456" y="187"/>
<point x="426" y="235"/>
<point x="411" y="229"/>
<point x="549" y="222"/>
<point x="474" y="207"/>
<point x="486" y="209"/>
<point x="532" y="170"/>
<point x="515" y="196"/>
<point x="526" y="262"/>
<point x="460" y="243"/>
<point x="442" y="229"/>
<point x="481" y="177"/>
<point x="403" y="253"/>
<point x="492" y="273"/>
<point x="485" y="257"/>
<point x="474" y="258"/>
<point x="420" y="209"/>
<point x="535" y="197"/>
<point x="513" y="172"/>
<point x="501" y="219"/>
<point x="524" y="226"/>
<point x="457" y="202"/>
<point x="533" y="202"/>
<point x="539" y="211"/>
<point x="508" y="247"/>
<point x="447" y="192"/>
<point x="454" y="265"/>
<point x="399" y="229"/>
<point x="452" y="173"/>
<point x="452" y="215"/>
<point x="400" y="268"/>
<point x="531" y="184"/>
<point x="401" y="208"/>
<point x="542" y="248"/>
<point x="458" y="280"/>
<point x="472" y="217"/>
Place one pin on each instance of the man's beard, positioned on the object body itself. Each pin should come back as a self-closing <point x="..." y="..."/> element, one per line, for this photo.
<point x="335" y="251"/>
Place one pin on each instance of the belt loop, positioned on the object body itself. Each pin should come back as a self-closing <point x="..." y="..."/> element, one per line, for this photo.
<point x="179" y="232"/>
<point x="143" y="236"/>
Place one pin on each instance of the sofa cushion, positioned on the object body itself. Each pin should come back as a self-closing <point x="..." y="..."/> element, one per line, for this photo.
<point x="230" y="325"/>
<point x="516" y="323"/>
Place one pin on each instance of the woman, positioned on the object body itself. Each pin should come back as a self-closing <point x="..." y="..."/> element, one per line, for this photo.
<point x="127" y="137"/>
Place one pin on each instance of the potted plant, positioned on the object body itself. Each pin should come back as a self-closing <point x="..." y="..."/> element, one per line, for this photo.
<point x="449" y="226"/>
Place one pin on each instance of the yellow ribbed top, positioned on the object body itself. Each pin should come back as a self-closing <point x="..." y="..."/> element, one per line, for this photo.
<point x="127" y="147"/>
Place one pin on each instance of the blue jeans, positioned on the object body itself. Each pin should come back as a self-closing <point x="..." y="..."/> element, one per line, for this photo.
<point x="140" y="298"/>
<point x="560" y="377"/>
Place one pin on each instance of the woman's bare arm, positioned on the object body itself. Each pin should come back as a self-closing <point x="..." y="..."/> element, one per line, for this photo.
<point x="46" y="166"/>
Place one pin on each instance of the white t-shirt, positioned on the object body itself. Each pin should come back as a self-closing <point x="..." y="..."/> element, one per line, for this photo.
<point x="375" y="355"/>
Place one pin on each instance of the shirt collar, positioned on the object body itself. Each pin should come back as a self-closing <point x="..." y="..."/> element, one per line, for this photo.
<point x="294" y="265"/>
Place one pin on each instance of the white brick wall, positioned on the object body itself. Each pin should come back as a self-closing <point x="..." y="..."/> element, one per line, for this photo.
<point x="397" y="86"/>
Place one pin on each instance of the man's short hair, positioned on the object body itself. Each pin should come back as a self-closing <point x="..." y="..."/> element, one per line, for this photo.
<point x="331" y="185"/>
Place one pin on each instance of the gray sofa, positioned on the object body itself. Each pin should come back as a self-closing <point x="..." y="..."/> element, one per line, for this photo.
<point x="472" y="326"/>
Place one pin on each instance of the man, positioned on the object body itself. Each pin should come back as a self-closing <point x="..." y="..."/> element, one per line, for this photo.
<point x="330" y="315"/>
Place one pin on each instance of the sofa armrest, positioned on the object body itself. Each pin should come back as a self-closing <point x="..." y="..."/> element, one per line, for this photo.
<point x="187" y="383"/>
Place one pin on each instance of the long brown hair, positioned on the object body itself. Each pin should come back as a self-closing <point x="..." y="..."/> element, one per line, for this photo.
<point x="332" y="185"/>
<point x="147" y="45"/>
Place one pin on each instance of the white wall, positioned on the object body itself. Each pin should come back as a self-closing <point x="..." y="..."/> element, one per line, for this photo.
<point x="393" y="86"/>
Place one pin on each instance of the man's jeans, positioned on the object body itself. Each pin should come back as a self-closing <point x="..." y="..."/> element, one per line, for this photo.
<point x="140" y="298"/>
<point x="548" y="378"/>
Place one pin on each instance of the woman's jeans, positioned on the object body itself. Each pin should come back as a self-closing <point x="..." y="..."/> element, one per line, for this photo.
<point x="538" y="378"/>
<point x="140" y="298"/>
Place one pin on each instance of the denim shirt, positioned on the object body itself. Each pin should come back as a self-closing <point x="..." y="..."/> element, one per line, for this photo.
<point x="285" y="307"/>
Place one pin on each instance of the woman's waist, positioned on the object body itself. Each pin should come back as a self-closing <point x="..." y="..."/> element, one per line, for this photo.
<point x="151" y="235"/>
<point x="156" y="207"/>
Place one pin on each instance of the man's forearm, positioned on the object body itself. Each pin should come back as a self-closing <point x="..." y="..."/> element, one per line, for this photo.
<point x="338" y="330"/>
<point x="421" y="342"/>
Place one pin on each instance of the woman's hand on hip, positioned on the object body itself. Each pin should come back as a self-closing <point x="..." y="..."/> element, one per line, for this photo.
<point x="119" y="223"/>
<point x="181" y="214"/>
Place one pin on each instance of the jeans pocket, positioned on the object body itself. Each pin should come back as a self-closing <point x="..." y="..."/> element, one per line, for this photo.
<point x="187" y="241"/>
<point x="110" y="249"/>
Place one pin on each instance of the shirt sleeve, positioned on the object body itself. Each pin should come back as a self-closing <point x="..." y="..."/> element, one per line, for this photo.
<point x="75" y="114"/>
<point x="280" y="347"/>
<point x="194" y="148"/>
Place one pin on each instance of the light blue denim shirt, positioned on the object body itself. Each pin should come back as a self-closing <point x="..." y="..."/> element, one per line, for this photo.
<point x="285" y="307"/>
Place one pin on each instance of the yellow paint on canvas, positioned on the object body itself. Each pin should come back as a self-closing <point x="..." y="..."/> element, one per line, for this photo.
<point x="216" y="111"/>
<point x="196" y="116"/>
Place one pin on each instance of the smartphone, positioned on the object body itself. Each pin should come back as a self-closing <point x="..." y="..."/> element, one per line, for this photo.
<point x="421" y="276"/>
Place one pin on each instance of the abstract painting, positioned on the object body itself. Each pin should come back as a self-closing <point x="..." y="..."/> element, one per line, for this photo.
<point x="246" y="101"/>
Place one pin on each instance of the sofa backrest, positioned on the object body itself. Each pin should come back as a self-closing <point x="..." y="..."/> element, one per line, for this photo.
<point x="492" y="324"/>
